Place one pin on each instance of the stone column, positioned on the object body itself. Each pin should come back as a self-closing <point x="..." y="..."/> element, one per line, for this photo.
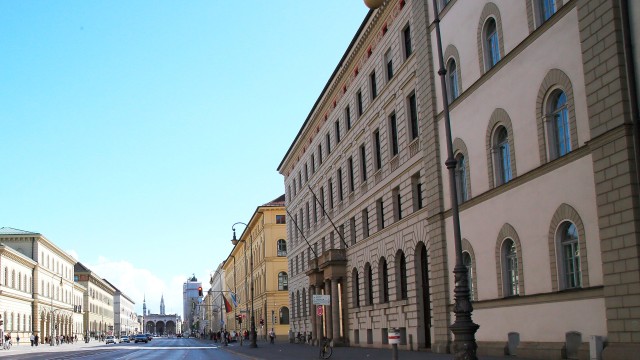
<point x="335" y="311"/>
<point x="314" y="318"/>
<point x="318" y="329"/>
<point x="328" y="290"/>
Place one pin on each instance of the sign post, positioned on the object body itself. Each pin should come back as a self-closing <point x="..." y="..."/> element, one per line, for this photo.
<point x="322" y="300"/>
<point x="394" y="339"/>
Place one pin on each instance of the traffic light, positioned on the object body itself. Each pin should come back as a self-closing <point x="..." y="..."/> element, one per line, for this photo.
<point x="200" y="291"/>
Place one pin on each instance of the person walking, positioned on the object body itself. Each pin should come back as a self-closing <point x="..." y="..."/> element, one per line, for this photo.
<point x="32" y="338"/>
<point x="272" y="336"/>
<point x="36" y="339"/>
<point x="18" y="340"/>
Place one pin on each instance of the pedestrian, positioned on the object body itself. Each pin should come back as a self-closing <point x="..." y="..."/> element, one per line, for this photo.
<point x="36" y="339"/>
<point x="18" y="340"/>
<point x="272" y="336"/>
<point x="32" y="338"/>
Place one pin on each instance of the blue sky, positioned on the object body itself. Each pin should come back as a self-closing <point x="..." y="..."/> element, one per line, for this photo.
<point x="135" y="133"/>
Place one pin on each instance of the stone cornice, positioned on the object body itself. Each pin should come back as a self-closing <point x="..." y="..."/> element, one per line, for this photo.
<point x="10" y="253"/>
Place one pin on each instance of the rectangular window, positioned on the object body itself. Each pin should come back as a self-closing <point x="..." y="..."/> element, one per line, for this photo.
<point x="389" y="62"/>
<point x="365" y="223"/>
<point x="380" y="213"/>
<point x="416" y="187"/>
<point x="377" y="149"/>
<point x="413" y="116"/>
<point x="306" y="173"/>
<point x="337" y="127"/>
<point x="301" y="222"/>
<point x="321" y="198"/>
<point x="330" y="189"/>
<point x="313" y="164"/>
<point x="363" y="163"/>
<point x="307" y="215"/>
<point x="340" y="188"/>
<point x="347" y="117"/>
<point x="351" y="179"/>
<point x="294" y="187"/>
<point x="359" y="103"/>
<point x="299" y="180"/>
<point x="328" y="143"/>
<point x="372" y="85"/>
<point x="406" y="36"/>
<point x="320" y="154"/>
<point x="397" y="204"/>
<point x="281" y="219"/>
<point x="393" y="134"/>
<point x="315" y="212"/>
<point x="352" y="229"/>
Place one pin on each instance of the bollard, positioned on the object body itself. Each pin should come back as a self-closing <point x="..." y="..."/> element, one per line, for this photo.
<point x="394" y="339"/>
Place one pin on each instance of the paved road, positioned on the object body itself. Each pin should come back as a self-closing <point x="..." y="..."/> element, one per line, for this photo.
<point x="159" y="348"/>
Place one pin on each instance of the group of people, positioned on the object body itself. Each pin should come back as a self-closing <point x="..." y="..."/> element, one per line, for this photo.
<point x="304" y="337"/>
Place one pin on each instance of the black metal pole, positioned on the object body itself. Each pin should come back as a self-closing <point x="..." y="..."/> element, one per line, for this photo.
<point x="463" y="328"/>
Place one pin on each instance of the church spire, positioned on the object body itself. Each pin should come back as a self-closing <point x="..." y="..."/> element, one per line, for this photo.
<point x="162" y="305"/>
<point x="144" y="305"/>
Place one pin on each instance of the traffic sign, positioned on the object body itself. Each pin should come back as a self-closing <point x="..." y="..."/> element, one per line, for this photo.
<point x="319" y="310"/>
<point x="321" y="299"/>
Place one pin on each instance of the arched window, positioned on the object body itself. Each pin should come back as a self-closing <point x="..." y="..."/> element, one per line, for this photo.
<point x="383" y="281"/>
<point x="468" y="262"/>
<point x="510" y="264"/>
<point x="558" y="125"/>
<point x="283" y="281"/>
<point x="491" y="43"/>
<point x="452" y="80"/>
<point x="570" y="252"/>
<point x="461" y="178"/>
<point x="355" y="286"/>
<point x="282" y="247"/>
<point x="401" y="276"/>
<point x="368" y="284"/>
<point x="502" y="156"/>
<point x="304" y="302"/>
<point x="284" y="316"/>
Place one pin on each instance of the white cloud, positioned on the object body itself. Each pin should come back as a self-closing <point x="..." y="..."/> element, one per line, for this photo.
<point x="137" y="283"/>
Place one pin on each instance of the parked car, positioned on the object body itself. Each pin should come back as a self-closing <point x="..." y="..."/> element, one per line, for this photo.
<point x="149" y="337"/>
<point x="124" y="339"/>
<point x="110" y="339"/>
<point x="141" y="338"/>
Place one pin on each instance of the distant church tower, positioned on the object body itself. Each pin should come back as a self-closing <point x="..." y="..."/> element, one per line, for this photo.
<point x="144" y="305"/>
<point x="162" y="305"/>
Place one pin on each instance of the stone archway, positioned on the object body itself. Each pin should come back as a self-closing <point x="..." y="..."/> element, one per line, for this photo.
<point x="171" y="328"/>
<point x="160" y="328"/>
<point x="150" y="327"/>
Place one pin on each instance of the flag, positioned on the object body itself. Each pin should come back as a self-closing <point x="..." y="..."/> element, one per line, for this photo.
<point x="227" y="304"/>
<point x="234" y="298"/>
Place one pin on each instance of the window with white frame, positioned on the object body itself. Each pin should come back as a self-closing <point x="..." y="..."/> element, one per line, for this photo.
<point x="502" y="156"/>
<point x="452" y="80"/>
<point x="461" y="178"/>
<point x="282" y="247"/>
<point x="283" y="281"/>
<point x="491" y="43"/>
<point x="510" y="268"/>
<point x="570" y="255"/>
<point x="557" y="122"/>
<point x="467" y="261"/>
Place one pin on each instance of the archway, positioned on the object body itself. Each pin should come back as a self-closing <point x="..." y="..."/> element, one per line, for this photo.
<point x="150" y="328"/>
<point x="159" y="328"/>
<point x="171" y="328"/>
<point x="424" y="296"/>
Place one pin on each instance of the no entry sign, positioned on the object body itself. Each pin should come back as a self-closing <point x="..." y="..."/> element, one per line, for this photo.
<point x="319" y="310"/>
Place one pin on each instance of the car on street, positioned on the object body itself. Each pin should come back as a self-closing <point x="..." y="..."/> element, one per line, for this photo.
<point x="141" y="338"/>
<point x="124" y="339"/>
<point x="149" y="337"/>
<point x="110" y="340"/>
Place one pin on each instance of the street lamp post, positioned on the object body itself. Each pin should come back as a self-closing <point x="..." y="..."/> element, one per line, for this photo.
<point x="235" y="241"/>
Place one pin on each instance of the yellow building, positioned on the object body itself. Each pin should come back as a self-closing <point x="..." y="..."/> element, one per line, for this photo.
<point x="262" y="246"/>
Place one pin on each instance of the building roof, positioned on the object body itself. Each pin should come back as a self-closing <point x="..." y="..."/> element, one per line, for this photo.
<point x="279" y="201"/>
<point x="12" y="231"/>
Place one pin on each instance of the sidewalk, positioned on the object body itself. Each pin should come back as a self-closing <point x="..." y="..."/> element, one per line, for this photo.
<point x="284" y="351"/>
<point x="26" y="348"/>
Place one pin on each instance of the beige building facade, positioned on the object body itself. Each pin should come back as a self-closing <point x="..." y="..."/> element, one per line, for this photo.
<point x="545" y="130"/>
<point x="98" y="302"/>
<point x="265" y="237"/>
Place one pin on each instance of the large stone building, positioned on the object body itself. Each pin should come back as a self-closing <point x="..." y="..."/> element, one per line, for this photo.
<point x="160" y="323"/>
<point x="544" y="119"/>
<point x="265" y="238"/>
<point x="190" y="299"/>
<point x="98" y="302"/>
<point x="125" y="319"/>
<point x="37" y="292"/>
